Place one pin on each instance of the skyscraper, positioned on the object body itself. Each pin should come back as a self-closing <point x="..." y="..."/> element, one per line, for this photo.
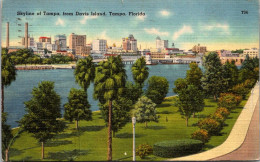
<point x="161" y="44"/>
<point x="61" y="42"/>
<point x="129" y="43"/>
<point x="77" y="42"/>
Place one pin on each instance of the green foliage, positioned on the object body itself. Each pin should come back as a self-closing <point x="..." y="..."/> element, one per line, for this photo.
<point x="230" y="74"/>
<point x="177" y="148"/>
<point x="201" y="135"/>
<point x="238" y="51"/>
<point x="157" y="89"/>
<point x="140" y="71"/>
<point x="249" y="69"/>
<point x="144" y="150"/>
<point x="6" y="134"/>
<point x="110" y="80"/>
<point x="240" y="90"/>
<point x="180" y="84"/>
<point x="227" y="100"/>
<point x="42" y="112"/>
<point x="218" y="117"/>
<point x="193" y="76"/>
<point x="211" y="125"/>
<point x="120" y="113"/>
<point x="133" y="92"/>
<point x="8" y="72"/>
<point x="189" y="100"/>
<point x="77" y="107"/>
<point x="85" y="72"/>
<point x="213" y="81"/>
<point x="145" y="110"/>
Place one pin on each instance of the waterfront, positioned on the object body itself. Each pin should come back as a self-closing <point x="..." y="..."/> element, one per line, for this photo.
<point x="20" y="90"/>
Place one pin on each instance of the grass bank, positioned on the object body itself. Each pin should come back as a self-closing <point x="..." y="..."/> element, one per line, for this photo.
<point x="90" y="142"/>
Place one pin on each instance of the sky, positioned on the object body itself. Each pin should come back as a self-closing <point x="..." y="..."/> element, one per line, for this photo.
<point x="217" y="24"/>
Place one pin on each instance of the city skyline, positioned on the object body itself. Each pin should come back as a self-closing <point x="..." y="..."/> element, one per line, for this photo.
<point x="217" y="25"/>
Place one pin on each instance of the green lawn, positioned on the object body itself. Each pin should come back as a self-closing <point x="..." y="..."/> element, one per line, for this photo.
<point x="90" y="142"/>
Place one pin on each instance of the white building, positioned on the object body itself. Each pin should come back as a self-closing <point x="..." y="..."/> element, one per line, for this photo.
<point x="148" y="59"/>
<point x="161" y="44"/>
<point x="38" y="45"/>
<point x="61" y="42"/>
<point x="51" y="47"/>
<point x="99" y="46"/>
<point x="253" y="52"/>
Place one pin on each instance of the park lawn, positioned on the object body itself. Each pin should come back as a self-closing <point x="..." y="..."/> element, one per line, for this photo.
<point x="90" y="142"/>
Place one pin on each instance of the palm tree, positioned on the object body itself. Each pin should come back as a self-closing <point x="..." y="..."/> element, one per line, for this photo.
<point x="109" y="84"/>
<point x="8" y="73"/>
<point x="85" y="72"/>
<point x="140" y="71"/>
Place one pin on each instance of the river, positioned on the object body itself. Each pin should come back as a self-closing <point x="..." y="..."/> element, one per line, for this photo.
<point x="20" y="90"/>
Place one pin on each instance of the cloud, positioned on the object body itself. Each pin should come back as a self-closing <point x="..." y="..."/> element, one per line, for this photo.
<point x="154" y="31"/>
<point x="142" y="18"/>
<point x="60" y="22"/>
<point x="84" y="20"/>
<point x="165" y="13"/>
<point x="223" y="27"/>
<point x="184" y="30"/>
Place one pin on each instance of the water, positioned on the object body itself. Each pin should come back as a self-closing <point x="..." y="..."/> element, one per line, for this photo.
<point x="20" y="90"/>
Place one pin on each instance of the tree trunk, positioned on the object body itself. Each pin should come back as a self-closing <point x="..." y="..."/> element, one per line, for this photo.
<point x="187" y="121"/>
<point x="109" y="142"/>
<point x="146" y="124"/>
<point x="77" y="124"/>
<point x="2" y="98"/>
<point x="6" y="155"/>
<point x="215" y="97"/>
<point x="194" y="115"/>
<point x="42" y="150"/>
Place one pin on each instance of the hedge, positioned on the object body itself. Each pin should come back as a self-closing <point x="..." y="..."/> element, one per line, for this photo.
<point x="177" y="148"/>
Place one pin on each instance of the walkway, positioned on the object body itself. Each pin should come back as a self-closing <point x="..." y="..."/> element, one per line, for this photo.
<point x="237" y="135"/>
<point x="249" y="150"/>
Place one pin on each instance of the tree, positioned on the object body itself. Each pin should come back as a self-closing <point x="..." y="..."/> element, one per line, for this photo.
<point x="109" y="83"/>
<point x="140" y="71"/>
<point x="157" y="89"/>
<point x="194" y="75"/>
<point x="230" y="74"/>
<point x="120" y="113"/>
<point x="77" y="107"/>
<point x="8" y="73"/>
<point x="145" y="110"/>
<point x="213" y="82"/>
<point x="6" y="137"/>
<point x="189" y="100"/>
<point x="248" y="69"/>
<point x="85" y="72"/>
<point x="133" y="92"/>
<point x="43" y="111"/>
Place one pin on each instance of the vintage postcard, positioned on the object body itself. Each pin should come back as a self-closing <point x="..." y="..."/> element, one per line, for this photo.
<point x="129" y="80"/>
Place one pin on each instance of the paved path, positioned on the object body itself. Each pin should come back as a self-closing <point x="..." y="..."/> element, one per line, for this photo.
<point x="249" y="150"/>
<point x="237" y="135"/>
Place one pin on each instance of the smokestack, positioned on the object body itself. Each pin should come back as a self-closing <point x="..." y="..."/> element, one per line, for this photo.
<point x="7" y="35"/>
<point x="26" y="35"/>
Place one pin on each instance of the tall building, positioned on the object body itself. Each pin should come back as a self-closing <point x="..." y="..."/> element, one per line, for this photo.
<point x="199" y="49"/>
<point x="161" y="44"/>
<point x="45" y="39"/>
<point x="99" y="46"/>
<point x="61" y="42"/>
<point x="26" y="35"/>
<point x="76" y="40"/>
<point x="129" y="43"/>
<point x="30" y="41"/>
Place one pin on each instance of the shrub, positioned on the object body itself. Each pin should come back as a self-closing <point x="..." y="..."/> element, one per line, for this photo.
<point x="223" y="111"/>
<point x="177" y="148"/>
<point x="238" y="100"/>
<point x="240" y="90"/>
<point x="227" y="100"/>
<point x="144" y="150"/>
<point x="201" y="135"/>
<point x="211" y="125"/>
<point x="249" y="83"/>
<point x="218" y="117"/>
